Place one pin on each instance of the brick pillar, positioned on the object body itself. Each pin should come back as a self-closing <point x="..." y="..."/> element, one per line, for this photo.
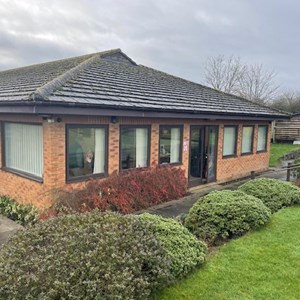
<point x="255" y="138"/>
<point x="113" y="148"/>
<point x="186" y="149"/>
<point x="154" y="144"/>
<point x="1" y="146"/>
<point x="54" y="155"/>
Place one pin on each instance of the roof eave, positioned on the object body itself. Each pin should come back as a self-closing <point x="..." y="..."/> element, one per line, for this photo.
<point x="40" y="108"/>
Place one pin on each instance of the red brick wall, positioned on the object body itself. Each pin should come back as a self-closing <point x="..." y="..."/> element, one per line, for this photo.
<point x="54" y="141"/>
<point x="241" y="165"/>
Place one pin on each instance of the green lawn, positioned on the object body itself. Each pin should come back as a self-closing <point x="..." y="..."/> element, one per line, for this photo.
<point x="261" y="265"/>
<point x="278" y="150"/>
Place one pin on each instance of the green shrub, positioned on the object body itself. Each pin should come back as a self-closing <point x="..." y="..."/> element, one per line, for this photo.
<point x="225" y="214"/>
<point x="20" y="213"/>
<point x="87" y="256"/>
<point x="274" y="193"/>
<point x="182" y="248"/>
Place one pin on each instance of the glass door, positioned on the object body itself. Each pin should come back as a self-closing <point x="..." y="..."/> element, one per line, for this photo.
<point x="212" y="152"/>
<point x="196" y="152"/>
<point x="203" y="154"/>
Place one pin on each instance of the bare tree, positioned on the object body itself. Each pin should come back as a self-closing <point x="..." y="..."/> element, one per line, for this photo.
<point x="288" y="101"/>
<point x="223" y="74"/>
<point x="230" y="75"/>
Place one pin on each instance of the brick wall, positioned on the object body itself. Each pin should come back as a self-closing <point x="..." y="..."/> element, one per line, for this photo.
<point x="54" y="141"/>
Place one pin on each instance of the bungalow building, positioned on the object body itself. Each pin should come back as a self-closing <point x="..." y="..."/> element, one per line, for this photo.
<point x="66" y="121"/>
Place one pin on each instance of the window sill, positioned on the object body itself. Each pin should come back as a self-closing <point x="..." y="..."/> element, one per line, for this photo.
<point x="261" y="151"/>
<point x="247" y="153"/>
<point x="177" y="164"/>
<point x="229" y="156"/>
<point x="23" y="174"/>
<point x="86" y="177"/>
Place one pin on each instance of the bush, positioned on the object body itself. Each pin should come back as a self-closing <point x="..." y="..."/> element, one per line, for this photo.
<point x="126" y="192"/>
<point x="86" y="256"/>
<point x="182" y="248"/>
<point x="21" y="214"/>
<point x="274" y="193"/>
<point x="226" y="214"/>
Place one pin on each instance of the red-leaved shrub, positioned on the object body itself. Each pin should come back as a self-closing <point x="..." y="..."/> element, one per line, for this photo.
<point x="125" y="192"/>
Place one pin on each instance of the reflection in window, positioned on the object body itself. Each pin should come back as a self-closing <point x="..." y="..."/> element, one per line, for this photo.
<point x="170" y="145"/>
<point x="134" y="147"/>
<point x="229" y="143"/>
<point x="247" y="139"/>
<point x="86" y="151"/>
<point x="262" y="138"/>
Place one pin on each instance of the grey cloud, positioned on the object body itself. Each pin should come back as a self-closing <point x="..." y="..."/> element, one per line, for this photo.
<point x="171" y="35"/>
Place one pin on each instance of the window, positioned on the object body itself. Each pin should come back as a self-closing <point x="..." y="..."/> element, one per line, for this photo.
<point x="170" y="144"/>
<point x="86" y="148"/>
<point x="23" y="149"/>
<point x="247" y="139"/>
<point x="262" y="138"/>
<point x="134" y="149"/>
<point x="229" y="142"/>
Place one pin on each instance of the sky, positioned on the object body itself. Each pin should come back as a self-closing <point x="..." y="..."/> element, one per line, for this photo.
<point x="172" y="36"/>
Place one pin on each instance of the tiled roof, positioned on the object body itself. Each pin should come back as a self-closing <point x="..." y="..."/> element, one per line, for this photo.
<point x="110" y="79"/>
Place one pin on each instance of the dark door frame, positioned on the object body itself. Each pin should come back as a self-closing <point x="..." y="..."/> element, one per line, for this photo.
<point x="205" y="128"/>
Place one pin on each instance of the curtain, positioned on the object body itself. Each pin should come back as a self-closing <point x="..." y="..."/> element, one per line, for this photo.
<point x="141" y="147"/>
<point x="24" y="148"/>
<point x="229" y="141"/>
<point x="262" y="138"/>
<point x="175" y="145"/>
<point x="247" y="139"/>
<point x="99" y="156"/>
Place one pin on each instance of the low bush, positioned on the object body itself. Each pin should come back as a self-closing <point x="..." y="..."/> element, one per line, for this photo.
<point x="86" y="256"/>
<point x="225" y="214"/>
<point x="20" y="213"/>
<point x="182" y="247"/>
<point x="274" y="193"/>
<point x="126" y="192"/>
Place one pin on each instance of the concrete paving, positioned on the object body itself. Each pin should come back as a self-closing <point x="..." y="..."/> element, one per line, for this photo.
<point x="7" y="229"/>
<point x="179" y="207"/>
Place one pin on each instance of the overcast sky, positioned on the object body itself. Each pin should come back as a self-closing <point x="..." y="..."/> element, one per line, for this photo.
<point x="172" y="36"/>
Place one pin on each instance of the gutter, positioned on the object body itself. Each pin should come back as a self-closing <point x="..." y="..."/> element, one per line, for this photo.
<point x="42" y="108"/>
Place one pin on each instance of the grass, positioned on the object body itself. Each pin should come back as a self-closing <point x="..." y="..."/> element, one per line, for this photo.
<point x="261" y="265"/>
<point x="278" y="150"/>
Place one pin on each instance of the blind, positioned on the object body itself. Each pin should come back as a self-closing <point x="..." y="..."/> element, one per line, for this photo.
<point x="24" y="148"/>
<point x="141" y="147"/>
<point x="99" y="162"/>
<point x="262" y="138"/>
<point x="229" y="141"/>
<point x="175" y="145"/>
<point x="247" y="139"/>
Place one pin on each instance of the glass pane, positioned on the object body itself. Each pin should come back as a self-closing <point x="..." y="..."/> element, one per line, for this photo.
<point x="134" y="148"/>
<point x="262" y="138"/>
<point x="229" y="141"/>
<point x="247" y="139"/>
<point x="24" y="148"/>
<point x="86" y="151"/>
<point x="169" y="145"/>
<point x="212" y="152"/>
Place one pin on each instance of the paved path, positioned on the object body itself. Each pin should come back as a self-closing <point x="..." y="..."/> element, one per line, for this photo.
<point x="7" y="228"/>
<point x="176" y="208"/>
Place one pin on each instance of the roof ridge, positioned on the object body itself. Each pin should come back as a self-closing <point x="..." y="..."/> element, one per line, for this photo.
<point x="210" y="88"/>
<point x="43" y="92"/>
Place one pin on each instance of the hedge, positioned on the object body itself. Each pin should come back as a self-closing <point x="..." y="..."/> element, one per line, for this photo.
<point x="225" y="214"/>
<point x="86" y="256"/>
<point x="182" y="248"/>
<point x="274" y="193"/>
